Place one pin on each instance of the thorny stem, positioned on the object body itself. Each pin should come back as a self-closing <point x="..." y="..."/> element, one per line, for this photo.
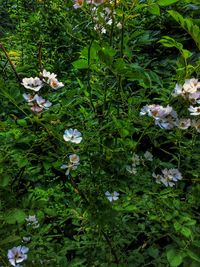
<point x="10" y="61"/>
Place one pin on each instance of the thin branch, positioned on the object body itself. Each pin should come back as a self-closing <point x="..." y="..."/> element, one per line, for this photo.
<point x="10" y="61"/>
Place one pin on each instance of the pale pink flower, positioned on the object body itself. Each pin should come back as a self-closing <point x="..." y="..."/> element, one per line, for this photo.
<point x="191" y="85"/>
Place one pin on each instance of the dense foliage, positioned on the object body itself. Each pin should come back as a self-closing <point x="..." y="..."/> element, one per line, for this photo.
<point x="99" y="154"/>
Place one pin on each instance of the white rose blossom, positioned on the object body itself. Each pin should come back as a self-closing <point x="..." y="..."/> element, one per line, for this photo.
<point x="72" y="135"/>
<point x="17" y="255"/>
<point x="31" y="83"/>
<point x="112" y="196"/>
<point x="195" y="111"/>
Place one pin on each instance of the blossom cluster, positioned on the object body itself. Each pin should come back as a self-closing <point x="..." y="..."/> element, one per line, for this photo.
<point x="38" y="103"/>
<point x="168" y="177"/>
<point x="190" y="90"/>
<point x="73" y="136"/>
<point x="137" y="160"/>
<point x="80" y="3"/>
<point x="167" y="118"/>
<point x="101" y="19"/>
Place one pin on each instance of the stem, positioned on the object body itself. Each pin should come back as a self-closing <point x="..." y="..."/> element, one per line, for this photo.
<point x="111" y="247"/>
<point x="122" y="35"/>
<point x="89" y="85"/>
<point x="20" y="31"/>
<point x="10" y="61"/>
<point x="40" y="57"/>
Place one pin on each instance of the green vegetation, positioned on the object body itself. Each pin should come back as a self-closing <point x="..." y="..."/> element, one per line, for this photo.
<point x="99" y="133"/>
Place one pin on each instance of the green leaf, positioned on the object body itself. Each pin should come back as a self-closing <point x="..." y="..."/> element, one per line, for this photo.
<point x="4" y="181"/>
<point x="167" y="2"/>
<point x="10" y="239"/>
<point x="15" y="216"/>
<point x="193" y="255"/>
<point x="80" y="64"/>
<point x="186" y="231"/>
<point x="188" y="25"/>
<point x="154" y="9"/>
<point x="174" y="257"/>
<point x="22" y="122"/>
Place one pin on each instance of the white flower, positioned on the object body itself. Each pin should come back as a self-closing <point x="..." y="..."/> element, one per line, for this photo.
<point x="194" y="110"/>
<point x="34" y="84"/>
<point x="148" y="156"/>
<point x="72" y="135"/>
<point x="196" y="125"/>
<point x="171" y="176"/>
<point x="183" y="123"/>
<point x="168" y="177"/>
<point x="191" y="85"/>
<point x="195" y="97"/>
<point x="73" y="165"/>
<point x="119" y="25"/>
<point x="95" y="2"/>
<point x="26" y="238"/>
<point x="112" y="196"/>
<point x="55" y="84"/>
<point x="42" y="102"/>
<point x="78" y="3"/>
<point x="131" y="169"/>
<point x="29" y="98"/>
<point x="17" y="255"/>
<point x="156" y="111"/>
<point x="178" y="90"/>
<point x="158" y="178"/>
<point x="74" y="158"/>
<point x="109" y="22"/>
<point x="135" y="160"/>
<point x="32" y="221"/>
<point x="46" y="76"/>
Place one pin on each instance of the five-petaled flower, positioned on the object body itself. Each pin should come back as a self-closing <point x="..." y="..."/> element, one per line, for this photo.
<point x="73" y="165"/>
<point x="112" y="196"/>
<point x="31" y="83"/>
<point x="17" y="255"/>
<point x="72" y="135"/>
<point x="168" y="177"/>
